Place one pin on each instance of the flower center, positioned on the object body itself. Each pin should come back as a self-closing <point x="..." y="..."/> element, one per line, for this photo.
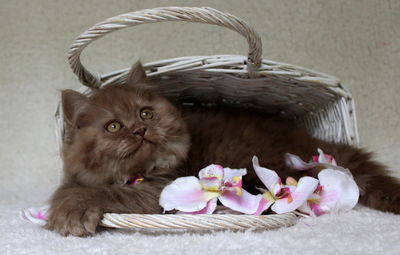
<point x="284" y="193"/>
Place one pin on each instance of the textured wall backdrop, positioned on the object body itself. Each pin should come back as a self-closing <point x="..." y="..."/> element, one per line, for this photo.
<point x="357" y="41"/>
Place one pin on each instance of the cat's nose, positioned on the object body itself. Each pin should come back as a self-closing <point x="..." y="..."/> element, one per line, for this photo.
<point x="140" y="131"/>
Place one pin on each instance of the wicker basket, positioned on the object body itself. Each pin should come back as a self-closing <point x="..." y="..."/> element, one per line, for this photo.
<point x="315" y="100"/>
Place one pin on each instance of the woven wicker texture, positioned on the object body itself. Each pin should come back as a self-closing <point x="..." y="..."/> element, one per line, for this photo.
<point x="198" y="222"/>
<point x="316" y="100"/>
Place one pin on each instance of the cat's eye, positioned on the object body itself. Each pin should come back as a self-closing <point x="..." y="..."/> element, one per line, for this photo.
<point x="146" y="113"/>
<point x="113" y="126"/>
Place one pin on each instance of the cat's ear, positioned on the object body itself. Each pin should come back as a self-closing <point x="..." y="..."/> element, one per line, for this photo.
<point x="136" y="76"/>
<point x="75" y="108"/>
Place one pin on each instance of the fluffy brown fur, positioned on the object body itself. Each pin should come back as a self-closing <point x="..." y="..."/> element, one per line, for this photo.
<point x="99" y="163"/>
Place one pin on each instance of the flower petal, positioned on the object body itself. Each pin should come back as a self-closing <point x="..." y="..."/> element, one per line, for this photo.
<point x="270" y="178"/>
<point x="35" y="215"/>
<point x="245" y="203"/>
<point x="212" y="171"/>
<point x="340" y="192"/>
<point x="209" y="209"/>
<point x="185" y="194"/>
<point x="325" y="158"/>
<point x="265" y="203"/>
<point x="297" y="163"/>
<point x="231" y="174"/>
<point x="305" y="208"/>
<point x="304" y="189"/>
<point x="312" y="205"/>
<point x="211" y="184"/>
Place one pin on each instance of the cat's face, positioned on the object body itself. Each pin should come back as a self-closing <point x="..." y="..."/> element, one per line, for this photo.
<point x="120" y="132"/>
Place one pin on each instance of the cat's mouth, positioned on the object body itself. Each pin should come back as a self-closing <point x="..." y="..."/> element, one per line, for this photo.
<point x="142" y="142"/>
<point x="131" y="149"/>
<point x="145" y="140"/>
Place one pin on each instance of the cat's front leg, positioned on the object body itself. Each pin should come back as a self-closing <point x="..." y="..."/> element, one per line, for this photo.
<point x="78" y="210"/>
<point x="75" y="211"/>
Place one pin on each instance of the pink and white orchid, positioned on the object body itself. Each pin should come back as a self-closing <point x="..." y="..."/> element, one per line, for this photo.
<point x="320" y="161"/>
<point x="199" y="196"/>
<point x="37" y="216"/>
<point x="285" y="198"/>
<point x="337" y="191"/>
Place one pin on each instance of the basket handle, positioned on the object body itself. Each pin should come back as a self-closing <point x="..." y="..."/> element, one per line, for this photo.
<point x="192" y="14"/>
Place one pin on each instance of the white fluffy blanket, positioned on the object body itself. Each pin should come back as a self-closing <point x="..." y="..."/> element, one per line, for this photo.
<point x="361" y="231"/>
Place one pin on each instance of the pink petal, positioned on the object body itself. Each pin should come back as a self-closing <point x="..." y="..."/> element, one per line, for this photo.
<point x="270" y="179"/>
<point x="210" y="171"/>
<point x="340" y="192"/>
<point x="263" y="205"/>
<point x="35" y="215"/>
<point x="295" y="162"/>
<point x="299" y="196"/>
<point x="185" y="194"/>
<point x="245" y="203"/>
<point x="209" y="209"/>
<point x="312" y="206"/>
<point x="317" y="209"/>
<point x="325" y="158"/>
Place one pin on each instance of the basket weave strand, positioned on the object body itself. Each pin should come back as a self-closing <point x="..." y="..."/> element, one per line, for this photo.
<point x="198" y="222"/>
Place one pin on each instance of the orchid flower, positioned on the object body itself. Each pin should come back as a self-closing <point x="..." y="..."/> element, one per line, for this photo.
<point x="337" y="190"/>
<point x="37" y="216"/>
<point x="285" y="198"/>
<point x="320" y="161"/>
<point x="199" y="196"/>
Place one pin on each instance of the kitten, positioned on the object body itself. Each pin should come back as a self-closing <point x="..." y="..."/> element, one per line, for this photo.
<point x="112" y="136"/>
<point x="121" y="132"/>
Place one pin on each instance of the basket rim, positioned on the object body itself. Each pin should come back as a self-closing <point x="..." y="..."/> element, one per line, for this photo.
<point x="199" y="62"/>
<point x="198" y="221"/>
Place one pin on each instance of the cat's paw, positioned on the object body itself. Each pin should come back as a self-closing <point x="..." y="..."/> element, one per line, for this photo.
<point x="74" y="221"/>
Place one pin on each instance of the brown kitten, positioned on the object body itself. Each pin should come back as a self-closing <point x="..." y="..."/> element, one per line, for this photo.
<point x="98" y="162"/>
<point x="112" y="136"/>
